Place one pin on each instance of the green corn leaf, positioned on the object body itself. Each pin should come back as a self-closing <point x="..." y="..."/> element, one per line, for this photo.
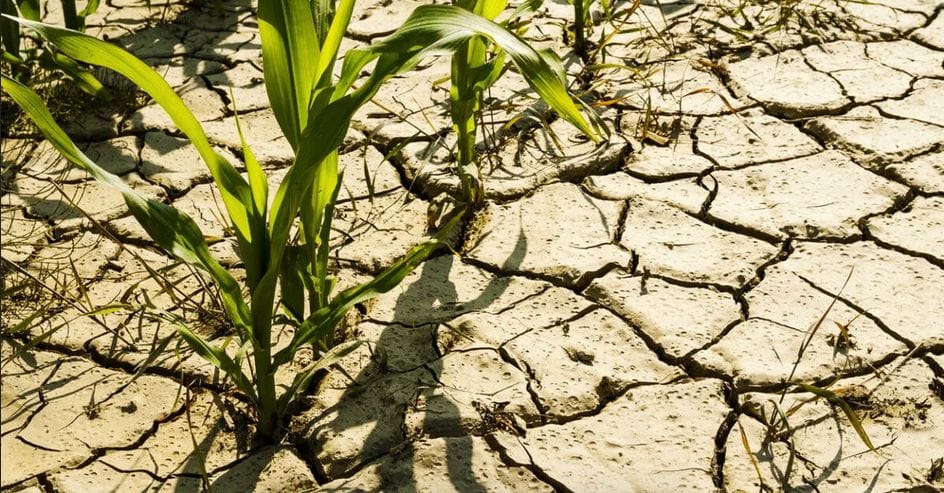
<point x="321" y="138"/>
<point x="12" y="59"/>
<point x="316" y="212"/>
<point x="834" y="399"/>
<point x="332" y="41"/>
<point x="489" y="73"/>
<point x="491" y="8"/>
<point x="526" y="7"/>
<point x="218" y="358"/>
<point x="293" y="282"/>
<point x="354" y="61"/>
<point x="90" y="8"/>
<point x="234" y="190"/>
<point x="9" y="31"/>
<point x="322" y="322"/>
<point x="83" y="78"/>
<point x="488" y="9"/>
<point x="321" y="274"/>
<point x="170" y="228"/>
<point x="290" y="57"/>
<point x="437" y="28"/>
<point x="29" y="9"/>
<point x="255" y="254"/>
<point x="322" y="13"/>
<point x="303" y="378"/>
<point x="554" y="63"/>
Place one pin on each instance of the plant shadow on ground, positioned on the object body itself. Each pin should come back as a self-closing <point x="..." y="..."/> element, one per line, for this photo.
<point x="434" y="297"/>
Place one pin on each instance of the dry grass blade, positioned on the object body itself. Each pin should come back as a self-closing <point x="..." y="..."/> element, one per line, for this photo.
<point x="727" y="104"/>
<point x="750" y="453"/>
<point x="834" y="399"/>
<point x="808" y="338"/>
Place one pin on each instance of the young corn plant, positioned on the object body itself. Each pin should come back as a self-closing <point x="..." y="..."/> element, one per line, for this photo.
<point x="300" y="42"/>
<point x="478" y="62"/>
<point x="581" y="7"/>
<point x="581" y="19"/>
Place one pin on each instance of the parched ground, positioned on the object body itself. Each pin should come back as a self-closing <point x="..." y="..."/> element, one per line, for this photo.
<point x="622" y="317"/>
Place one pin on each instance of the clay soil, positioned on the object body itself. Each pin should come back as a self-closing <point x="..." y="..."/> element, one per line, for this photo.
<point x="621" y="317"/>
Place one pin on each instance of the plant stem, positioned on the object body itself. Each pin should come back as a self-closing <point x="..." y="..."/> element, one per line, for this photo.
<point x="580" y="39"/>
<point x="262" y="310"/>
<point x="465" y="104"/>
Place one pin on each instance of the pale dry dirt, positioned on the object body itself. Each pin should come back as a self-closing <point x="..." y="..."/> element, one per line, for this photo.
<point x="621" y="317"/>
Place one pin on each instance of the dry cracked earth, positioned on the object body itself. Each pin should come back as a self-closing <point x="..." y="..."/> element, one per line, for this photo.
<point x="622" y="317"/>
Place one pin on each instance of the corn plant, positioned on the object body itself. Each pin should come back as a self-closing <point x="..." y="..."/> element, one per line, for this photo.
<point x="477" y="64"/>
<point x="581" y="7"/>
<point x="21" y="58"/>
<point x="300" y="42"/>
<point x="581" y="18"/>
